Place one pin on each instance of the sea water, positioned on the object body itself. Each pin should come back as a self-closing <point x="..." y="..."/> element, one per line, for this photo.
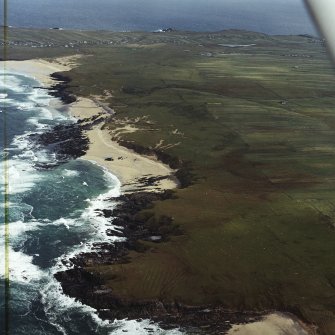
<point x="266" y="16"/>
<point x="53" y="214"/>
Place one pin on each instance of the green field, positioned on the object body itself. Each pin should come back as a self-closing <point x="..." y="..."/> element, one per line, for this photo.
<point x="255" y="126"/>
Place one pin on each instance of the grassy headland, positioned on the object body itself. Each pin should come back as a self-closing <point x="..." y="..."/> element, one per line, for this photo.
<point x="250" y="119"/>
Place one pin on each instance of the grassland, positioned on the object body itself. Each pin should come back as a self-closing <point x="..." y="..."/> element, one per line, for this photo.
<point x="256" y="127"/>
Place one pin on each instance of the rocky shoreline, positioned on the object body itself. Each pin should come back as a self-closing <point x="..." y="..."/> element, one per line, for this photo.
<point x="68" y="141"/>
<point x="65" y="141"/>
<point x="61" y="88"/>
<point x="91" y="290"/>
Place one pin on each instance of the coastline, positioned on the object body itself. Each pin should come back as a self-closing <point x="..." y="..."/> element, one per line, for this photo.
<point x="40" y="69"/>
<point x="128" y="166"/>
<point x="131" y="166"/>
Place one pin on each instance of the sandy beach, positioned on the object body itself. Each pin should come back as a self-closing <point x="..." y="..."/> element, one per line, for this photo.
<point x="40" y="69"/>
<point x="128" y="166"/>
<point x="273" y="324"/>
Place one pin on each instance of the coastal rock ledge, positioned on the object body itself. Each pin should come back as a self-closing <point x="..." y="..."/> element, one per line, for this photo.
<point x="91" y="289"/>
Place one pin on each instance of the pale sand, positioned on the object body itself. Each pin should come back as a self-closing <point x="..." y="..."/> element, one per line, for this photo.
<point x="40" y="69"/>
<point x="127" y="165"/>
<point x="273" y="324"/>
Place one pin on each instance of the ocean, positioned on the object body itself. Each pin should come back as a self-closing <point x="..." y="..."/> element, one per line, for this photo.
<point x="54" y="214"/>
<point x="267" y="16"/>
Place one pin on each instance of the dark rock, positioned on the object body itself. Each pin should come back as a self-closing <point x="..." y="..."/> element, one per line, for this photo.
<point x="67" y="141"/>
<point x="62" y="90"/>
<point x="74" y="281"/>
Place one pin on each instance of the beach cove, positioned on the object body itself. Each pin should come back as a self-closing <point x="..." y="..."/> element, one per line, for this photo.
<point x="131" y="166"/>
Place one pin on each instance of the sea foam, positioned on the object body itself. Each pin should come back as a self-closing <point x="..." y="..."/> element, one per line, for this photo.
<point x="30" y="282"/>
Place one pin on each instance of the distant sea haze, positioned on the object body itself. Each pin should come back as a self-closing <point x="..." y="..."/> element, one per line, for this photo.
<point x="267" y="16"/>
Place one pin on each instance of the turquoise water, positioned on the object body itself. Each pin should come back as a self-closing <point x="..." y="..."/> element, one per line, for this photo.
<point x="54" y="214"/>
